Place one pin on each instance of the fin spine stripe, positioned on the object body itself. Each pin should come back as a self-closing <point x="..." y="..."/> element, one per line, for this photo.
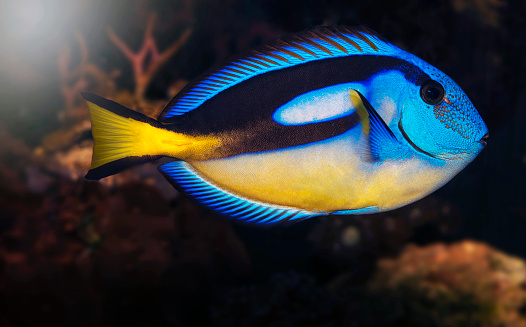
<point x="366" y="40"/>
<point x="237" y="71"/>
<point x="351" y="42"/>
<point x="291" y="53"/>
<point x="216" y="80"/>
<point x="247" y="62"/>
<point x="274" y="55"/>
<point x="223" y="77"/>
<point x="331" y="42"/>
<point x="302" y="48"/>
<point x="241" y="67"/>
<point x="264" y="57"/>
<point x="258" y="62"/>
<point x="319" y="46"/>
<point x="229" y="74"/>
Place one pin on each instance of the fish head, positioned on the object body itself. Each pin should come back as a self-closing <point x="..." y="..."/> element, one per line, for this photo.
<point x="438" y="119"/>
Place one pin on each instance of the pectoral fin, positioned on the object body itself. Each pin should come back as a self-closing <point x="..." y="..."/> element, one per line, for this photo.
<point x="382" y="143"/>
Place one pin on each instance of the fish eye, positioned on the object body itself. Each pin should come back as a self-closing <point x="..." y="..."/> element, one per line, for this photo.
<point x="432" y="92"/>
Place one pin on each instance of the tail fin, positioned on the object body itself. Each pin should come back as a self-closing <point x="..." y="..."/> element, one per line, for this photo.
<point x="125" y="138"/>
<point x="117" y="132"/>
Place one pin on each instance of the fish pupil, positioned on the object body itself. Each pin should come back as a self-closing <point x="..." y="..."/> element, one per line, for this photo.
<point x="432" y="92"/>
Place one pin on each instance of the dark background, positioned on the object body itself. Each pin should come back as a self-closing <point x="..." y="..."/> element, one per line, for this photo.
<point x="131" y="251"/>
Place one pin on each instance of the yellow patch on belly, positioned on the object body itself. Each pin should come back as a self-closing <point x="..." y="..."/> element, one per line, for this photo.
<point x="322" y="177"/>
<point x="311" y="177"/>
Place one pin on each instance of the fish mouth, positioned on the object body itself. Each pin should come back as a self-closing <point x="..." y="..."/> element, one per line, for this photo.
<point x="483" y="140"/>
<point x="401" y="128"/>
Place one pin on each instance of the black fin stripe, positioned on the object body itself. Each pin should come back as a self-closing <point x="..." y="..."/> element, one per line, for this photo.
<point x="199" y="92"/>
<point x="290" y="53"/>
<point x="216" y="79"/>
<point x="241" y="67"/>
<point x="226" y="72"/>
<point x="258" y="62"/>
<point x="261" y="56"/>
<point x="217" y="75"/>
<point x="118" y="109"/>
<point x="317" y="45"/>
<point x="215" y="86"/>
<point x="201" y="87"/>
<point x="351" y="42"/>
<point x="331" y="42"/>
<point x="274" y="55"/>
<point x="248" y="63"/>
<point x="237" y="71"/>
<point x="366" y="40"/>
<point x="117" y="166"/>
<point x="302" y="48"/>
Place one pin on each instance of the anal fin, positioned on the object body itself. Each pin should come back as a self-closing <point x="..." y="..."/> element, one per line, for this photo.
<point x="186" y="179"/>
<point x="366" y="210"/>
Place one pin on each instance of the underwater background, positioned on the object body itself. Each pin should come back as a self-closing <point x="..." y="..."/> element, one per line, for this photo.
<point x="128" y="250"/>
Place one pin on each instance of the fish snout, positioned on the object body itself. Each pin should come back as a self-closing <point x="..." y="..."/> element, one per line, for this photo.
<point x="484" y="139"/>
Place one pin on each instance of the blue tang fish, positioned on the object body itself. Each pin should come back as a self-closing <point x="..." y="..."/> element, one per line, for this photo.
<point x="332" y="120"/>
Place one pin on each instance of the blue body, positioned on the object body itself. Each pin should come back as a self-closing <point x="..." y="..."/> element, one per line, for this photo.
<point x="327" y="121"/>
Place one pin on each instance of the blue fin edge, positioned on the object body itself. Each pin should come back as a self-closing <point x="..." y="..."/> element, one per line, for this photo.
<point x="314" y="44"/>
<point x="184" y="177"/>
<point x="366" y="210"/>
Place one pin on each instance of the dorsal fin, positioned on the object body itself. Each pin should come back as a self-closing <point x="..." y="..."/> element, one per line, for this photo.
<point x="314" y="44"/>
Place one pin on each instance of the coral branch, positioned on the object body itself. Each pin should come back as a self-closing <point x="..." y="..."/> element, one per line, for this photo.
<point x="120" y="44"/>
<point x="155" y="65"/>
<point x="144" y="72"/>
<point x="84" y="76"/>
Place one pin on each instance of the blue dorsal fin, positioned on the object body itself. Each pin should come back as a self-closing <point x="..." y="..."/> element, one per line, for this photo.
<point x="382" y="143"/>
<point x="314" y="44"/>
<point x="186" y="179"/>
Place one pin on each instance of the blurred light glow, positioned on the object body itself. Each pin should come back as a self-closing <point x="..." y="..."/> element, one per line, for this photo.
<point x="350" y="236"/>
<point x="28" y="14"/>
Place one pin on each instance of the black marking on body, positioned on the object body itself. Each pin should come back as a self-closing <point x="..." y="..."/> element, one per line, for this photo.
<point x="114" y="167"/>
<point x="273" y="55"/>
<point x="245" y="110"/>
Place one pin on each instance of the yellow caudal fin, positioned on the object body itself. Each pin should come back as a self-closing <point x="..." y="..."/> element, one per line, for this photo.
<point x="125" y="138"/>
